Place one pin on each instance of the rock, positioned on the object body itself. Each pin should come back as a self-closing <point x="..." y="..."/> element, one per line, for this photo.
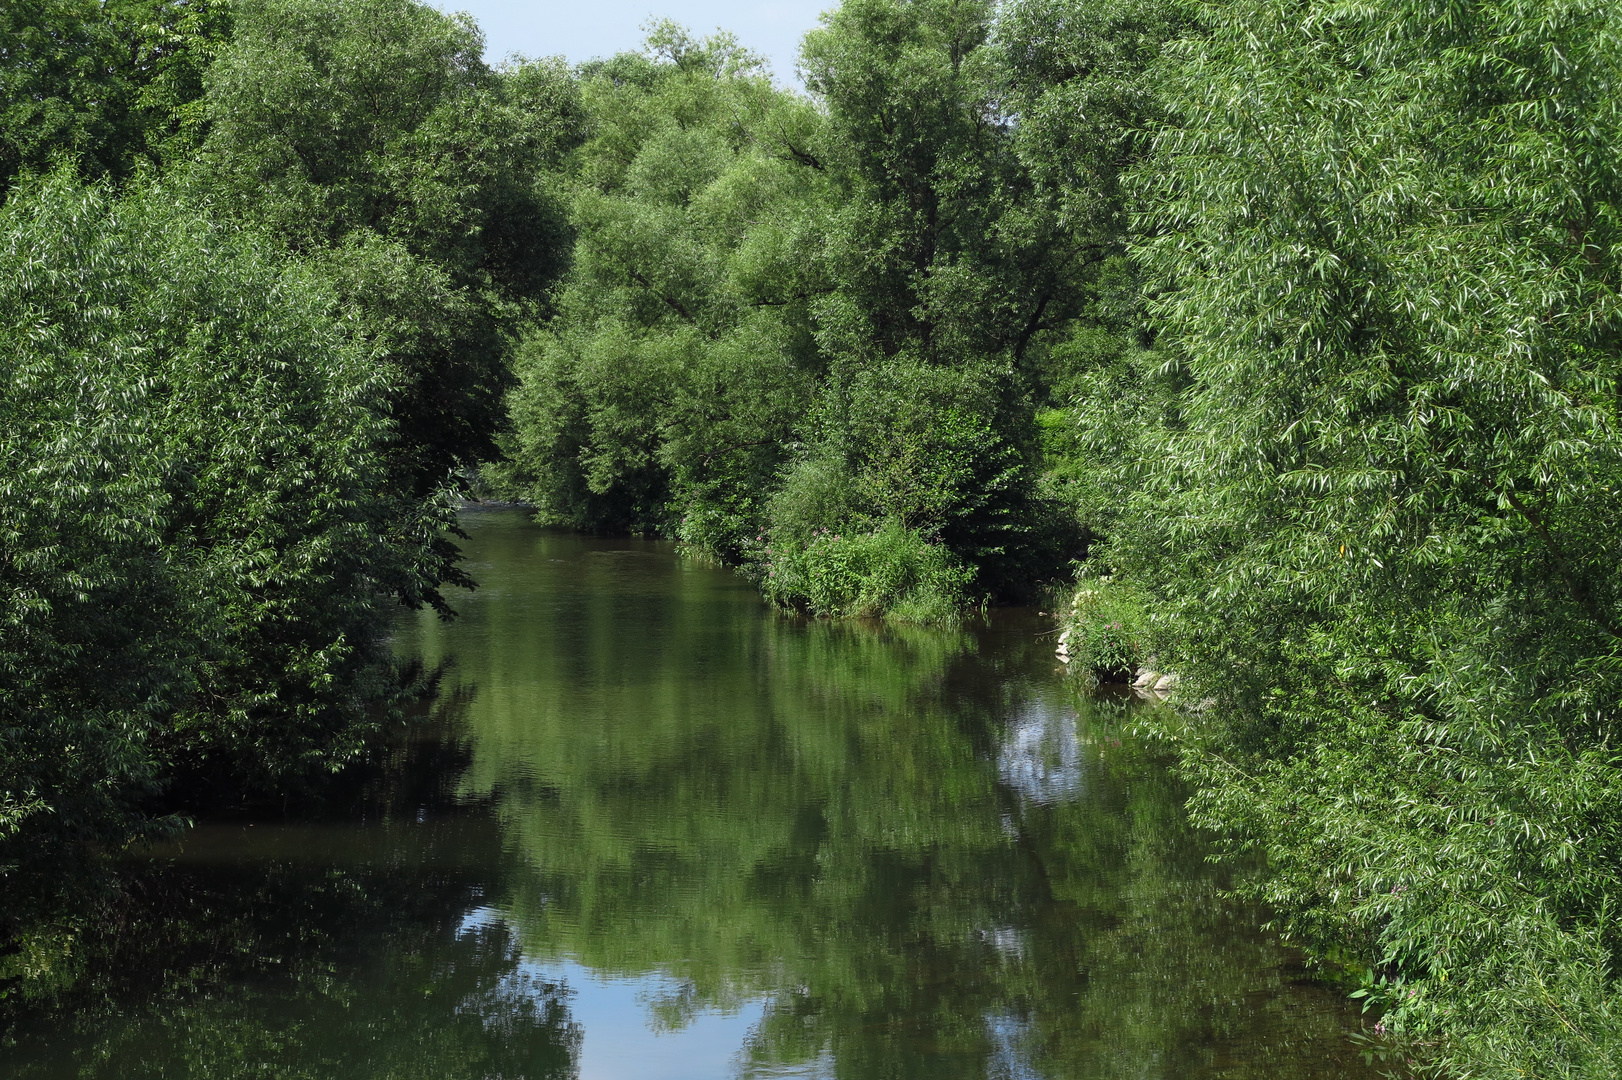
<point x="1146" y="678"/>
<point x="1166" y="684"/>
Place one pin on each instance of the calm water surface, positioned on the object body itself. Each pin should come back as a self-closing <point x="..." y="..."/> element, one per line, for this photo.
<point x="658" y="831"/>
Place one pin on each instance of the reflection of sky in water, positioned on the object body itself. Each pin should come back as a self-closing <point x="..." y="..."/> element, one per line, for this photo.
<point x="1008" y="1034"/>
<point x="624" y="1038"/>
<point x="1040" y="756"/>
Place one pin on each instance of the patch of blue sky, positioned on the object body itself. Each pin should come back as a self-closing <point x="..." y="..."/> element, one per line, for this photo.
<point x="586" y="29"/>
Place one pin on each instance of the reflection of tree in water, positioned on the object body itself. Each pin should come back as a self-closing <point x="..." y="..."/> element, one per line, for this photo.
<point x="302" y="967"/>
<point x="908" y="843"/>
<point x="902" y="839"/>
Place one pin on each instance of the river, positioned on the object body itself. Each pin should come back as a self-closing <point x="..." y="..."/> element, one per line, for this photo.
<point x="655" y="830"/>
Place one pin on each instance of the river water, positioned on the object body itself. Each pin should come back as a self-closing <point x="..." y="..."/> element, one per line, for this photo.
<point x="657" y="830"/>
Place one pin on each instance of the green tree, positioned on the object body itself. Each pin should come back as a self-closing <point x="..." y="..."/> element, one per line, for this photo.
<point x="1383" y="241"/>
<point x="788" y="324"/>
<point x="108" y="85"/>
<point x="930" y="303"/>
<point x="235" y="396"/>
<point x="680" y="361"/>
<point x="975" y="254"/>
<point x="1079" y="76"/>
<point x="371" y="132"/>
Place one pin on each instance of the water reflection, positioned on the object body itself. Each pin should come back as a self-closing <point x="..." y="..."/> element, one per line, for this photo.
<point x="255" y="971"/>
<point x="905" y="849"/>
<point x="684" y="837"/>
<point x="1040" y="753"/>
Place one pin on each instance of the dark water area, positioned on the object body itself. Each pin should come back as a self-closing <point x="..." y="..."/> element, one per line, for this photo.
<point x="657" y="830"/>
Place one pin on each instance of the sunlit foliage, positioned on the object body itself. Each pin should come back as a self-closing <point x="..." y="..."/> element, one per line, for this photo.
<point x="660" y="396"/>
<point x="1382" y="242"/>
<point x="1298" y="321"/>
<point x="371" y="134"/>
<point x="791" y="319"/>
<point x="195" y="526"/>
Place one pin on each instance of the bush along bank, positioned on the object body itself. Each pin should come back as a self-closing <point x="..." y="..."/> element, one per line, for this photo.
<point x="1104" y="632"/>
<point x="250" y="334"/>
<point x="1372" y="500"/>
<point x="890" y="572"/>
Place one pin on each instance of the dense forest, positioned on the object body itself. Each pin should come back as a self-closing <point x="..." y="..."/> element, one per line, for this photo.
<point x="1277" y="343"/>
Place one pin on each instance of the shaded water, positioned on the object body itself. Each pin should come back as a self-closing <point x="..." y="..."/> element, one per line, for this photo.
<point x="662" y="832"/>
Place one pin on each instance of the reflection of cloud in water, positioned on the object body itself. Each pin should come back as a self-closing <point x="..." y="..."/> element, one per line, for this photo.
<point x="1008" y="1035"/>
<point x="479" y="918"/>
<point x="1040" y="755"/>
<point x="649" y="1026"/>
<point x="1008" y="942"/>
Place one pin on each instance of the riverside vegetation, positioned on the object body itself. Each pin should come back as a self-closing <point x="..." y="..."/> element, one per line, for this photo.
<point x="1291" y="328"/>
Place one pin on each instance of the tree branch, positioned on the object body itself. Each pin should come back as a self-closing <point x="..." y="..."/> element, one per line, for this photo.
<point x="806" y="295"/>
<point x="804" y="157"/>
<point x="718" y="451"/>
<point x="1575" y="585"/>
<point x="675" y="305"/>
<point x="1031" y="327"/>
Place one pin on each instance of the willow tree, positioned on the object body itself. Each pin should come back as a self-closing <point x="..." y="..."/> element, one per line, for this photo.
<point x="1384" y="240"/>
<point x="680" y="360"/>
<point x="371" y="135"/>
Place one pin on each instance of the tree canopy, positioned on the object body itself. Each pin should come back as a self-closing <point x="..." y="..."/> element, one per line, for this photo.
<point x="253" y="333"/>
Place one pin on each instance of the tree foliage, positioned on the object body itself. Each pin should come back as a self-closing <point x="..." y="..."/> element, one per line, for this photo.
<point x="196" y="529"/>
<point x="792" y="318"/>
<point x="660" y="396"/>
<point x="372" y="133"/>
<point x="1381" y="248"/>
<point x="1299" y="321"/>
<point x="108" y="85"/>
<point x="235" y="395"/>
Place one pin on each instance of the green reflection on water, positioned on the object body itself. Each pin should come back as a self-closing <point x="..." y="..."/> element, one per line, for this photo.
<point x="289" y="970"/>
<point x="907" y="842"/>
<point x="910" y="853"/>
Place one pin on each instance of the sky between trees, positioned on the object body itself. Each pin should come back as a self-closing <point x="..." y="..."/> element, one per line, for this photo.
<point x="581" y="32"/>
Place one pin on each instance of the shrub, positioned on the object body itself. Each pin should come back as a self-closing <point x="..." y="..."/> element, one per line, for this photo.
<point x="892" y="571"/>
<point x="937" y="449"/>
<point x="1106" y="629"/>
<point x="194" y="531"/>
